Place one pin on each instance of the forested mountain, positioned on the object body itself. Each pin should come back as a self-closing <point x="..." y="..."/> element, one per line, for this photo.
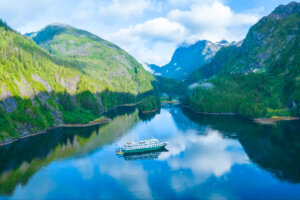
<point x="98" y="58"/>
<point x="188" y="58"/>
<point x="259" y="78"/>
<point x="39" y="90"/>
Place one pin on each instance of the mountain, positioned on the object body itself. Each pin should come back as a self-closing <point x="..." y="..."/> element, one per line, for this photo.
<point x="260" y="78"/>
<point x="98" y="58"/>
<point x="188" y="58"/>
<point x="39" y="90"/>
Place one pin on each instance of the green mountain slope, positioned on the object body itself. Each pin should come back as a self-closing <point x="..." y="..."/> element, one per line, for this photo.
<point x="261" y="77"/>
<point x="38" y="90"/>
<point x="98" y="58"/>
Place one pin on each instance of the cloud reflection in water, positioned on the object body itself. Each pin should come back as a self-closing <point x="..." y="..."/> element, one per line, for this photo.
<point x="193" y="156"/>
<point x="204" y="155"/>
<point x="130" y="175"/>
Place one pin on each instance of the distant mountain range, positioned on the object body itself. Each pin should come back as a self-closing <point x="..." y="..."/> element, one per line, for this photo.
<point x="188" y="58"/>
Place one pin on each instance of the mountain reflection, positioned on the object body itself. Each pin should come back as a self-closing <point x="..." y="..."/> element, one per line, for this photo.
<point x="22" y="159"/>
<point x="273" y="148"/>
<point x="148" y="116"/>
<point x="208" y="157"/>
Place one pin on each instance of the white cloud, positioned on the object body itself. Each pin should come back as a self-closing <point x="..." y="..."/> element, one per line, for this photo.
<point x="152" y="41"/>
<point x="213" y="20"/>
<point x="127" y="8"/>
<point x="149" y="29"/>
<point x="158" y="29"/>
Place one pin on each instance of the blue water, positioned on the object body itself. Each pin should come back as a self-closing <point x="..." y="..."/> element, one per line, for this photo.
<point x="208" y="157"/>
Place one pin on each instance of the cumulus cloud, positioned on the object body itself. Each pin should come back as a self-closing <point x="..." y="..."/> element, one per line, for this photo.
<point x="158" y="29"/>
<point x="152" y="41"/>
<point x="209" y="19"/>
<point x="149" y="29"/>
<point x="213" y="21"/>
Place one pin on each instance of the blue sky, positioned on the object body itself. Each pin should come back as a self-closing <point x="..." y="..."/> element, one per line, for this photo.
<point x="148" y="29"/>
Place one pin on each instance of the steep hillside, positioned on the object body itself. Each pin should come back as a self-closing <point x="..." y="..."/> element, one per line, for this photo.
<point x="38" y="91"/>
<point x="98" y="58"/>
<point x="259" y="78"/>
<point x="187" y="59"/>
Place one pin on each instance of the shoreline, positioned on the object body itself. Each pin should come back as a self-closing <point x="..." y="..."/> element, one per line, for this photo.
<point x="273" y="120"/>
<point x="121" y="105"/>
<point x="170" y="102"/>
<point x="263" y="121"/>
<point x="54" y="127"/>
<point x="210" y="113"/>
<point x="92" y="123"/>
<point x="151" y="111"/>
<point x="26" y="136"/>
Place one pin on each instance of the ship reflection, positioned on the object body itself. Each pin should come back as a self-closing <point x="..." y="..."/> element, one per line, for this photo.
<point x="144" y="156"/>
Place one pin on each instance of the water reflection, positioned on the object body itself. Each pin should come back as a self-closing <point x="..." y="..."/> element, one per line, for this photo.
<point x="208" y="157"/>
<point x="148" y="116"/>
<point x="144" y="156"/>
<point x="120" y="110"/>
<point x="21" y="160"/>
<point x="273" y="148"/>
<point x="204" y="154"/>
<point x="132" y="176"/>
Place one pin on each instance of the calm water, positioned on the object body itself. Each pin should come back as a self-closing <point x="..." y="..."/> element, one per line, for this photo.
<point x="209" y="157"/>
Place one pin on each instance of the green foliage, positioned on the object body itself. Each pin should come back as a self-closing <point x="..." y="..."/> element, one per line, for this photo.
<point x="253" y="95"/>
<point x="174" y="88"/>
<point x="66" y="101"/>
<point x="89" y="102"/>
<point x="78" y="116"/>
<point x="259" y="78"/>
<point x="49" y="89"/>
<point x="92" y="55"/>
<point x="4" y="25"/>
<point x="149" y="103"/>
<point x="111" y="100"/>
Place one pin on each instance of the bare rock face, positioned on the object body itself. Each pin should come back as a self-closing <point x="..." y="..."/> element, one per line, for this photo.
<point x="43" y="96"/>
<point x="10" y="104"/>
<point x="98" y="98"/>
<point x="56" y="114"/>
<point x="24" y="88"/>
<point x="70" y="83"/>
<point x="122" y="59"/>
<point x="7" y="101"/>
<point x="37" y="78"/>
<point x="122" y="72"/>
<point x="284" y="11"/>
<point x="188" y="58"/>
<point x="82" y="50"/>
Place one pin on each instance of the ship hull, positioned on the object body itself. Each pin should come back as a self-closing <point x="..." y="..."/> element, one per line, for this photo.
<point x="131" y="151"/>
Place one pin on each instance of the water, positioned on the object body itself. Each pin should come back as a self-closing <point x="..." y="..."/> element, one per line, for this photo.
<point x="209" y="157"/>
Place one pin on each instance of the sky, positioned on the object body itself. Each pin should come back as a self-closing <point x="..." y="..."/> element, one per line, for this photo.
<point x="150" y="30"/>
